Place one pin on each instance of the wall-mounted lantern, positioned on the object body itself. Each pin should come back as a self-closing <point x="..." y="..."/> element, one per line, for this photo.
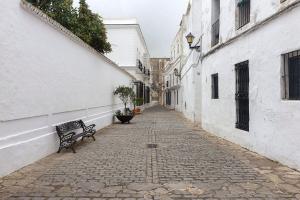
<point x="190" y="39"/>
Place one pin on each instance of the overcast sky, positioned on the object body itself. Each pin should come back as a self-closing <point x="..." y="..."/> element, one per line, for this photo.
<point x="159" y="19"/>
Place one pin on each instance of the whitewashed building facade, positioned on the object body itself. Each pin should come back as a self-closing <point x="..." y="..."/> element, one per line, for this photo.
<point x="171" y="86"/>
<point x="246" y="86"/>
<point x="182" y="88"/>
<point x="130" y="52"/>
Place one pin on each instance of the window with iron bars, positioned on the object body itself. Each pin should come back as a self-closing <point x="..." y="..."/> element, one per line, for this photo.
<point x="242" y="95"/>
<point x="215" y="33"/>
<point x="214" y="86"/>
<point x="291" y="75"/>
<point x="243" y="12"/>
<point x="215" y="27"/>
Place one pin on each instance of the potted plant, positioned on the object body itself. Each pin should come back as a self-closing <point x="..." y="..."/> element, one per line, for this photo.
<point x="137" y="102"/>
<point x="126" y="94"/>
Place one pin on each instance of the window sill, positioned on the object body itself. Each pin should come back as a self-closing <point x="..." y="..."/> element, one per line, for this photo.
<point x="243" y="28"/>
<point x="291" y="100"/>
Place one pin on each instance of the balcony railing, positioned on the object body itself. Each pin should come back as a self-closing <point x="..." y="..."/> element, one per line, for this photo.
<point x="142" y="68"/>
<point x="215" y="33"/>
<point x="140" y="65"/>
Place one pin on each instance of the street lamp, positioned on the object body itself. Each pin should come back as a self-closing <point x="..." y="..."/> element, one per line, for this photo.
<point x="190" y="39"/>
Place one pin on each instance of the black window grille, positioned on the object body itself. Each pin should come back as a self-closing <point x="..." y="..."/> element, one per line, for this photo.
<point x="215" y="33"/>
<point x="291" y="75"/>
<point x="214" y="86"/>
<point x="242" y="95"/>
<point x="243" y="12"/>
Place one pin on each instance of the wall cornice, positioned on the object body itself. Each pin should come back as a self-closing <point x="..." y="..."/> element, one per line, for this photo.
<point x="44" y="17"/>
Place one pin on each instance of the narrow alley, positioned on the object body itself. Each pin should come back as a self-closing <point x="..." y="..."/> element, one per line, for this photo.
<point x="159" y="155"/>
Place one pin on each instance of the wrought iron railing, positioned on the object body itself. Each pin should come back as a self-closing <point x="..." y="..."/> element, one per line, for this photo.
<point x="242" y="95"/>
<point x="291" y="75"/>
<point x="139" y="65"/>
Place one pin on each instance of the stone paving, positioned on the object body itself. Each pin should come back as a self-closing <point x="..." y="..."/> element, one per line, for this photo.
<point x="188" y="163"/>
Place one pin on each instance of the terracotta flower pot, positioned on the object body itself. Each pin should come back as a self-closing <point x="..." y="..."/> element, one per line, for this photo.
<point x="137" y="111"/>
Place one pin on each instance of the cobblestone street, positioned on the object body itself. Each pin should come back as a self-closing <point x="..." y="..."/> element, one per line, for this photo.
<point x="188" y="163"/>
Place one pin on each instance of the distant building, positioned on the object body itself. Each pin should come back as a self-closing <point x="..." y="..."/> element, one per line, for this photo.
<point x="157" y="68"/>
<point x="130" y="52"/>
<point x="171" y="81"/>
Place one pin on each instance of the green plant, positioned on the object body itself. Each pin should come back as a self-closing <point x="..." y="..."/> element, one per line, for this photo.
<point x="126" y="95"/>
<point x="138" y="101"/>
<point x="127" y="112"/>
<point x="85" y="24"/>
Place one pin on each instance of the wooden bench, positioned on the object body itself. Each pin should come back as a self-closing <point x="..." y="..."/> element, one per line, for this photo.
<point x="69" y="133"/>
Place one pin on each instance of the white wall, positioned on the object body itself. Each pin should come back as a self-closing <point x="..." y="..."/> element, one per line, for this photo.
<point x="124" y="44"/>
<point x="47" y="77"/>
<point x="191" y="79"/>
<point x="260" y="10"/>
<point x="274" y="123"/>
<point x="128" y="45"/>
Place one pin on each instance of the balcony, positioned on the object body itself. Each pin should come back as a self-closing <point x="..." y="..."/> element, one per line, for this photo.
<point x="146" y="72"/>
<point x="139" y="65"/>
<point x="142" y="69"/>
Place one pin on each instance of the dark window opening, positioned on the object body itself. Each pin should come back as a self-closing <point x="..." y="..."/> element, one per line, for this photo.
<point x="140" y="92"/>
<point x="242" y="95"/>
<point x="243" y="13"/>
<point x="215" y="18"/>
<point x="168" y="98"/>
<point x="291" y="75"/>
<point x="214" y="86"/>
<point x="147" y="94"/>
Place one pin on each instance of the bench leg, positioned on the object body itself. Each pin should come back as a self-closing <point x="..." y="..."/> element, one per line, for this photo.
<point x="93" y="138"/>
<point x="72" y="147"/>
<point x="59" y="149"/>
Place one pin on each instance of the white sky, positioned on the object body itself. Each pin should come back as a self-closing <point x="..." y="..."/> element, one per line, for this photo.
<point x="159" y="19"/>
